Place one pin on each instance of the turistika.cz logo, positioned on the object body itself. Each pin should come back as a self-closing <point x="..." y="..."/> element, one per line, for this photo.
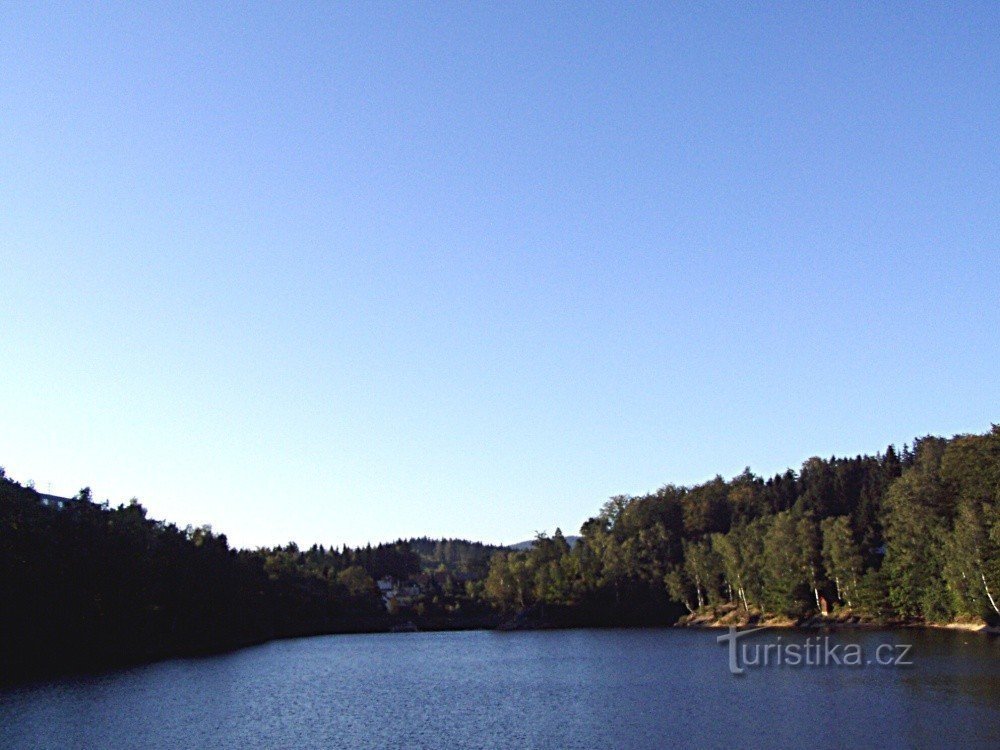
<point x="815" y="651"/>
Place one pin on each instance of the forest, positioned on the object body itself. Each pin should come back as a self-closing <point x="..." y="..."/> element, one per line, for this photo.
<point x="895" y="537"/>
<point x="88" y="586"/>
<point x="908" y="536"/>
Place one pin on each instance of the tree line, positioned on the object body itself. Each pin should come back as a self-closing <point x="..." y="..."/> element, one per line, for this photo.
<point x="913" y="535"/>
<point x="86" y="585"/>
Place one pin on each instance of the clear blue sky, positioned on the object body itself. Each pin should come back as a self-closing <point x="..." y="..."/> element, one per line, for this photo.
<point x="350" y="272"/>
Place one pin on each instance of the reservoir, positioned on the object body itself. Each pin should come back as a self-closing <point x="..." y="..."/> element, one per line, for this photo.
<point x="643" y="688"/>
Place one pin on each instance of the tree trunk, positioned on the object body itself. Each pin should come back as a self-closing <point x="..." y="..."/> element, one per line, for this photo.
<point x="987" y="587"/>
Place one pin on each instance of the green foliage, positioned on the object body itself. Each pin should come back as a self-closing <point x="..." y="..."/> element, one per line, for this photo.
<point x="915" y="528"/>
<point x="872" y="596"/>
<point x="786" y="585"/>
<point x="915" y="535"/>
<point x="459" y="557"/>
<point x="970" y="470"/>
<point x="357" y="581"/>
<point x="703" y="567"/>
<point x="85" y="585"/>
<point x="841" y="557"/>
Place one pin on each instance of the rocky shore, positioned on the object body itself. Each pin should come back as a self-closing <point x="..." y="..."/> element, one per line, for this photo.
<point x="728" y="615"/>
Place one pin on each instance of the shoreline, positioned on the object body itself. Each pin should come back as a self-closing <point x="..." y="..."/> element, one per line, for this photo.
<point x="835" y="625"/>
<point x="731" y="617"/>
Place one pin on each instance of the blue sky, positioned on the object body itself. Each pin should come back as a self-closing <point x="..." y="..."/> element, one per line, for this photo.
<point x="350" y="272"/>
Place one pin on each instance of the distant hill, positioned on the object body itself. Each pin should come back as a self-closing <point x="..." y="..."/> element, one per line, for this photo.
<point x="571" y="540"/>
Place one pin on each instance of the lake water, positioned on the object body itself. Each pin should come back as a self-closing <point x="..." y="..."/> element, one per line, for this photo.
<point x="551" y="689"/>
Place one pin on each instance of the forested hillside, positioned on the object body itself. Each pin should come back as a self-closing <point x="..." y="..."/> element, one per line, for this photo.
<point x="457" y="556"/>
<point x="913" y="535"/>
<point x="85" y="585"/>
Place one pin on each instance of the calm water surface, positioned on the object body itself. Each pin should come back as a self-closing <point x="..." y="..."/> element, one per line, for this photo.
<point x="556" y="689"/>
